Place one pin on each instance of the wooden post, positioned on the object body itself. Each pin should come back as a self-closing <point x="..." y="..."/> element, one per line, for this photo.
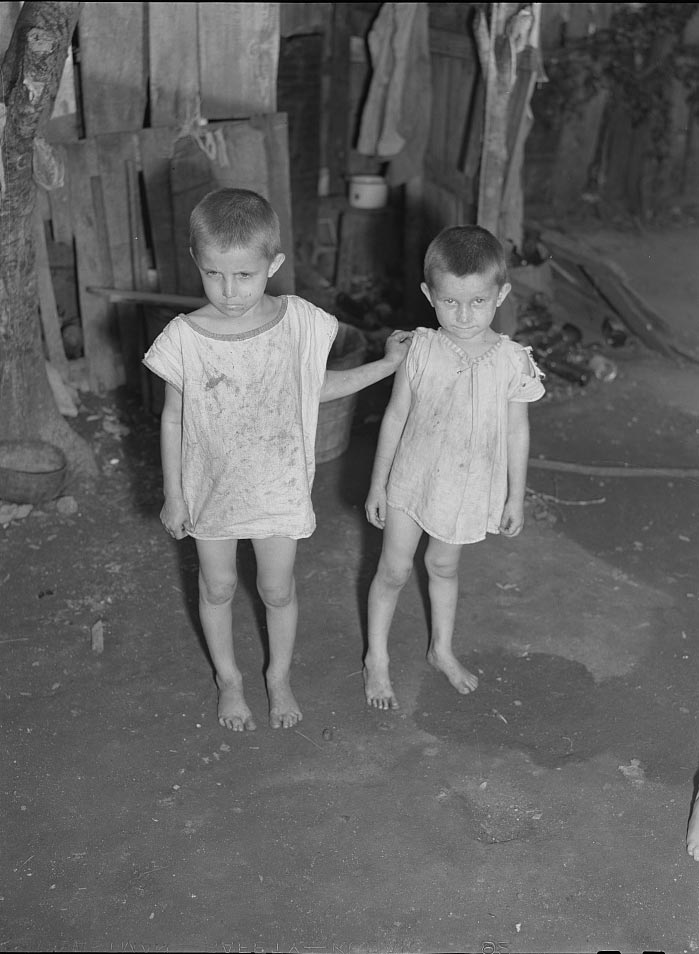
<point x="512" y="32"/>
<point x="413" y="250"/>
<point x="493" y="52"/>
<point x="50" y="321"/>
<point x="100" y="332"/>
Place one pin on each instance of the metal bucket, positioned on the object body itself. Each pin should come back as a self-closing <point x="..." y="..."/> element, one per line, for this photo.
<point x="335" y="417"/>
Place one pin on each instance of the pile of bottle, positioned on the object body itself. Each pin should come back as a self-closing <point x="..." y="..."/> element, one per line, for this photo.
<point x="559" y="349"/>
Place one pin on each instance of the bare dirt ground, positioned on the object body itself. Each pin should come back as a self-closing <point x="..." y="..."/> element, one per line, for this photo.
<point x="544" y="812"/>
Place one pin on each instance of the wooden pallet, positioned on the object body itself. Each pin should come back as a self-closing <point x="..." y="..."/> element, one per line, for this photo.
<point x="125" y="205"/>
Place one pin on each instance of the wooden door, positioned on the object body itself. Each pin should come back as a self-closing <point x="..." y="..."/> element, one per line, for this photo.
<point x="447" y="193"/>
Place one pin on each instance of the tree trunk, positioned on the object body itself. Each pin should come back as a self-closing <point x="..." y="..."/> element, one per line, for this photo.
<point x="30" y="75"/>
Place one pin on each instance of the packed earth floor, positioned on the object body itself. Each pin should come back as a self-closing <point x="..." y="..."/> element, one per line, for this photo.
<point x="544" y="812"/>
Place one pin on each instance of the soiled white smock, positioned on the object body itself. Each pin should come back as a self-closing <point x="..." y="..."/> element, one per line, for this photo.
<point x="249" y="417"/>
<point x="450" y="469"/>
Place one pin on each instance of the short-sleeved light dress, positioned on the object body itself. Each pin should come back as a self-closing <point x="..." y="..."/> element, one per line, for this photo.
<point x="450" y="469"/>
<point x="249" y="416"/>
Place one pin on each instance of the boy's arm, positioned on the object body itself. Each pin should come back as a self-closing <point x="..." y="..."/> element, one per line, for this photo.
<point x="174" y="510"/>
<point x="339" y="384"/>
<point x="517" y="460"/>
<point x="390" y="433"/>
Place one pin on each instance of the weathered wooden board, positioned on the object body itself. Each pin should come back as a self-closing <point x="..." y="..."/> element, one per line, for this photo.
<point x="300" y="19"/>
<point x="50" y="321"/>
<point x="191" y="177"/>
<point x="100" y="332"/>
<point x="300" y="97"/>
<point x="241" y="157"/>
<point x="451" y="161"/>
<point x="59" y="203"/>
<point x="279" y="194"/>
<point x="117" y="156"/>
<point x="64" y="123"/>
<point x="245" y="155"/>
<point x="335" y="132"/>
<point x="156" y="147"/>
<point x="174" y="63"/>
<point x="112" y="66"/>
<point x="608" y="281"/>
<point x="9" y="11"/>
<point x="113" y="152"/>
<point x="238" y="55"/>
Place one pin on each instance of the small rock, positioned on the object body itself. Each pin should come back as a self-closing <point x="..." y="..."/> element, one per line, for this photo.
<point x="97" y="633"/>
<point x="633" y="772"/>
<point x="10" y="512"/>
<point x="67" y="505"/>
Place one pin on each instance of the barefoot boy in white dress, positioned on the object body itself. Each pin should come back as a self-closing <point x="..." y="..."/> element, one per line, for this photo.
<point x="244" y="378"/>
<point x="453" y="448"/>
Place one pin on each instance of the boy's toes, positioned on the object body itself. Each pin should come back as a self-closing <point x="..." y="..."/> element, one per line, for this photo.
<point x="284" y="711"/>
<point x="233" y="712"/>
<point x="237" y="723"/>
<point x="284" y="720"/>
<point x="377" y="687"/>
<point x="462" y="679"/>
<point x="383" y="701"/>
<point x="466" y="683"/>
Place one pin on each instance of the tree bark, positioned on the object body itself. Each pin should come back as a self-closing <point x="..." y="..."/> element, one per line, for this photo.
<point x="30" y="75"/>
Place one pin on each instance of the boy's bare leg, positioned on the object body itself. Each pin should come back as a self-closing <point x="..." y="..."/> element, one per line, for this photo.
<point x="401" y="536"/>
<point x="442" y="562"/>
<point x="275" y="583"/>
<point x="693" y="831"/>
<point x="217" y="584"/>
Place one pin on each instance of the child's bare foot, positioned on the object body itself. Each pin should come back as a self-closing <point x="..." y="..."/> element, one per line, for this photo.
<point x="284" y="711"/>
<point x="377" y="686"/>
<point x="693" y="834"/>
<point x="460" y="677"/>
<point x="233" y="712"/>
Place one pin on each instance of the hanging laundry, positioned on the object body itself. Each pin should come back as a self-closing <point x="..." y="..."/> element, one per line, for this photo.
<point x="395" y="120"/>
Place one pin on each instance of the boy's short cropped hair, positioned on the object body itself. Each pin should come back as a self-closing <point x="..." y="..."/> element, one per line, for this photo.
<point x="465" y="250"/>
<point x="234" y="218"/>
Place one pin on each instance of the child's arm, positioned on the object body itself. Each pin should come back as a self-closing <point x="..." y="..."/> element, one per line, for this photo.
<point x="174" y="510"/>
<point x="392" y="426"/>
<point x="339" y="384"/>
<point x="517" y="460"/>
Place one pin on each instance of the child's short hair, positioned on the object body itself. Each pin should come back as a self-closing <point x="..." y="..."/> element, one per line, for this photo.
<point x="465" y="250"/>
<point x="234" y="218"/>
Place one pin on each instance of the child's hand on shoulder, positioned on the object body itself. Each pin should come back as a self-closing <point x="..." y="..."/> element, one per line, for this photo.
<point x="397" y="345"/>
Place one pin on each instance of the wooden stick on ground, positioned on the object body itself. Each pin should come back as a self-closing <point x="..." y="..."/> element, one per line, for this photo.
<point x="601" y="470"/>
<point x="50" y="321"/>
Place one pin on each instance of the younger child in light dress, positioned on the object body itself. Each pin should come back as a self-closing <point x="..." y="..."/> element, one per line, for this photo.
<point x="244" y="376"/>
<point x="453" y="448"/>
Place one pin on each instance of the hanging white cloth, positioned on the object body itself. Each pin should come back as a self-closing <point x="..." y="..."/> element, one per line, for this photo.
<point x="396" y="117"/>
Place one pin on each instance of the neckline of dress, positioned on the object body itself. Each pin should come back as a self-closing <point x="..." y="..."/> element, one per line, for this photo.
<point x="242" y="335"/>
<point x="467" y="359"/>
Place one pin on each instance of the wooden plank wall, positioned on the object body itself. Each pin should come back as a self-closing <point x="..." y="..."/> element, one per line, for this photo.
<point x="175" y="99"/>
<point x="174" y="66"/>
<point x="238" y="54"/>
<point x="112" y="66"/>
<point x="451" y="162"/>
<point x="300" y="70"/>
<point x="121" y="188"/>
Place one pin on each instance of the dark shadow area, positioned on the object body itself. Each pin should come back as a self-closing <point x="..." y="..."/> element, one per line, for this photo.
<point x="121" y="430"/>
<point x="353" y="471"/>
<point x="553" y="709"/>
